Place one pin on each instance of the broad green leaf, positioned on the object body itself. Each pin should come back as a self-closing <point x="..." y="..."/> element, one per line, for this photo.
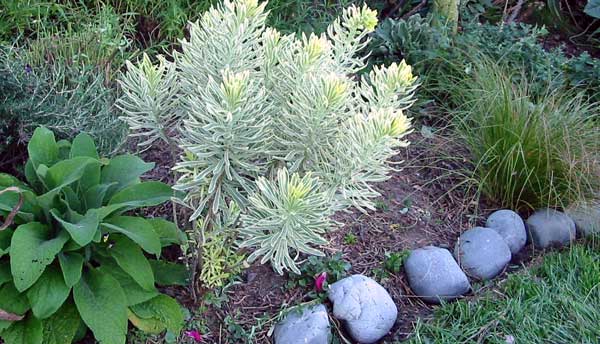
<point x="162" y="308"/>
<point x="28" y="331"/>
<point x="94" y="196"/>
<point x="71" y="264"/>
<point x="68" y="171"/>
<point x="90" y="177"/>
<point x="168" y="232"/>
<point x="133" y="291"/>
<point x="144" y="194"/>
<point x="151" y="325"/>
<point x="4" y="324"/>
<point x="7" y="180"/>
<point x="167" y="273"/>
<point x="12" y="301"/>
<point x="83" y="145"/>
<point x="32" y="248"/>
<point x="592" y="8"/>
<point x="30" y="174"/>
<point x="48" y="294"/>
<point x="83" y="231"/>
<point x="71" y="246"/>
<point x="106" y="211"/>
<point x="62" y="174"/>
<point x="130" y="258"/>
<point x="28" y="209"/>
<point x="42" y="172"/>
<point x="5" y="275"/>
<point x="137" y="229"/>
<point x="64" y="147"/>
<point x="5" y="238"/>
<point x="102" y="306"/>
<point x="71" y="200"/>
<point x="42" y="147"/>
<point x="62" y="326"/>
<point x="124" y="170"/>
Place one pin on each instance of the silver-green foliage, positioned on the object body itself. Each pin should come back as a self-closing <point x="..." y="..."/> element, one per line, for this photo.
<point x="264" y="112"/>
<point x="290" y="212"/>
<point x="150" y="99"/>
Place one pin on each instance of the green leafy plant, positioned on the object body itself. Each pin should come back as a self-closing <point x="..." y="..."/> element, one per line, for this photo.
<point x="292" y="16"/>
<point x="350" y="239"/>
<point x="221" y="261"/>
<point x="277" y="124"/>
<point x="395" y="260"/>
<point x="335" y="267"/>
<point x="19" y="17"/>
<point x="392" y="264"/>
<point x="151" y="106"/>
<point x="71" y="257"/>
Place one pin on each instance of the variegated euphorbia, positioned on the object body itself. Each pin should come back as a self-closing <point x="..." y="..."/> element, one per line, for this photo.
<point x="256" y="104"/>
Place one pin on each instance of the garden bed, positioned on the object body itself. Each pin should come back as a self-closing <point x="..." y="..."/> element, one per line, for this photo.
<point x="250" y="128"/>
<point x="419" y="205"/>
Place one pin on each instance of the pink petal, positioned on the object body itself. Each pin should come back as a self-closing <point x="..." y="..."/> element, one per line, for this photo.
<point x="320" y="281"/>
<point x="194" y="335"/>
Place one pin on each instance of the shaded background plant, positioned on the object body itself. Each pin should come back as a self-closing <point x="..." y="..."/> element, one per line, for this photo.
<point x="437" y="54"/>
<point x="62" y="79"/>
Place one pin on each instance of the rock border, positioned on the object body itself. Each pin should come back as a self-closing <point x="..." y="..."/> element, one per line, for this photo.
<point x="481" y="253"/>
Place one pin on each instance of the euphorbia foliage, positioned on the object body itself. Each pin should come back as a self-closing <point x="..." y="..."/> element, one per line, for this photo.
<point x="71" y="257"/>
<point x="279" y="125"/>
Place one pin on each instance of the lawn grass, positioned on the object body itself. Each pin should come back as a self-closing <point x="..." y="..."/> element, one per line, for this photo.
<point x="555" y="302"/>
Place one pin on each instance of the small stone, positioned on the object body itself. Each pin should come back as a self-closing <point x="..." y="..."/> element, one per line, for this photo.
<point x="434" y="275"/>
<point x="482" y="253"/>
<point x="511" y="228"/>
<point x="366" y="308"/>
<point x="549" y="227"/>
<point x="586" y="218"/>
<point x="311" y="326"/>
<point x="251" y="276"/>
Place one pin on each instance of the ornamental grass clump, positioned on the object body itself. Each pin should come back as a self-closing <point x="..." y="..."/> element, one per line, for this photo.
<point x="278" y="125"/>
<point x="528" y="151"/>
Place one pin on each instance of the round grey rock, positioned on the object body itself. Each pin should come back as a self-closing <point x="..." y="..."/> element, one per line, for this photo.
<point x="586" y="218"/>
<point x="434" y="275"/>
<point x="549" y="227"/>
<point x="482" y="253"/>
<point x="311" y="326"/>
<point x="365" y="306"/>
<point x="511" y="228"/>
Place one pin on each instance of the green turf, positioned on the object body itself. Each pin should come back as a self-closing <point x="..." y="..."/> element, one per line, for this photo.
<point x="555" y="302"/>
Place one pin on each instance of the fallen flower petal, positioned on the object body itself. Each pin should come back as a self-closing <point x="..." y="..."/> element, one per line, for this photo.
<point x="194" y="335"/>
<point x="320" y="280"/>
